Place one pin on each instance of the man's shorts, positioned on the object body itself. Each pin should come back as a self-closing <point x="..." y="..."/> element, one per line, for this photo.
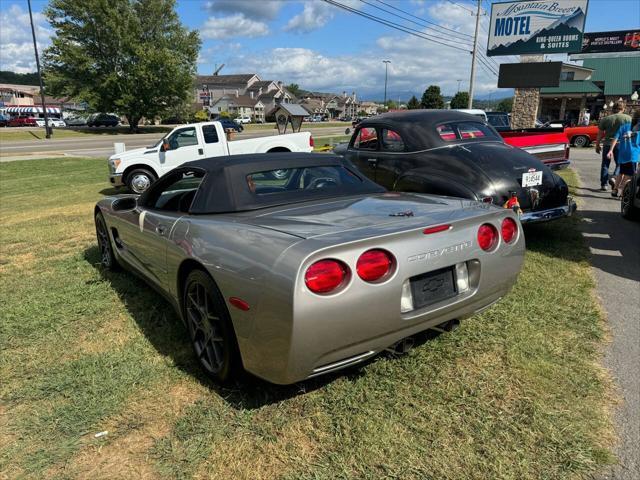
<point x="627" y="168"/>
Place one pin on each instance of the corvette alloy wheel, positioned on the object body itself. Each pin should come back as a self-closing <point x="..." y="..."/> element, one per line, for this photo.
<point x="107" y="257"/>
<point x="209" y="326"/>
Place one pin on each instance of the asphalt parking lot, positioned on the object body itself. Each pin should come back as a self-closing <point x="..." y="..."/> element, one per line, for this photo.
<point x="615" y="258"/>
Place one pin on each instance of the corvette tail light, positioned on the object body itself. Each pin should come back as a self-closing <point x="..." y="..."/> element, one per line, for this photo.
<point x="487" y="237"/>
<point x="325" y="276"/>
<point x="509" y="230"/>
<point x="374" y="265"/>
<point x="311" y="142"/>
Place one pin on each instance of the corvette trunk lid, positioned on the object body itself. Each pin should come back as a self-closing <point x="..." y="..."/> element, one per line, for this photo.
<point x="381" y="214"/>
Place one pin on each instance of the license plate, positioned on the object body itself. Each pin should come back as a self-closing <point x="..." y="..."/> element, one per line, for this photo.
<point x="433" y="287"/>
<point x="531" y="179"/>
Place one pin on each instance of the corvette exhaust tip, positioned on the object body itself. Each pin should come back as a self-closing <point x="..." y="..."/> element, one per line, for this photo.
<point x="402" y="347"/>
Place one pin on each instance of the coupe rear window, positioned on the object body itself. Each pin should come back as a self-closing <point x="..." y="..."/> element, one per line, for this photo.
<point x="307" y="179"/>
<point x="454" y="131"/>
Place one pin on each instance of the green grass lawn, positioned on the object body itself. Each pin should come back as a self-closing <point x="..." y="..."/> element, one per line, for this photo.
<point x="11" y="134"/>
<point x="515" y="393"/>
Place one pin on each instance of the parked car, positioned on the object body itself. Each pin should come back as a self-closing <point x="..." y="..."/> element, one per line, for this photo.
<point x="311" y="274"/>
<point x="53" y="122"/>
<point x="103" y="120"/>
<point x="581" y="136"/>
<point x="228" y="123"/>
<point x="138" y="168"/>
<point x="4" y="120"/>
<point x="75" y="121"/>
<point x="22" y="122"/>
<point x="445" y="152"/>
<point x="242" y="120"/>
<point x="630" y="201"/>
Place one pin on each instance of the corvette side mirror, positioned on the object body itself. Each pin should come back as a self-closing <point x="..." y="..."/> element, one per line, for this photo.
<point x="125" y="203"/>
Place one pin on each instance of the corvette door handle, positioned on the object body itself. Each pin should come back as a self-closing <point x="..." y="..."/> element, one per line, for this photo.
<point x="160" y="230"/>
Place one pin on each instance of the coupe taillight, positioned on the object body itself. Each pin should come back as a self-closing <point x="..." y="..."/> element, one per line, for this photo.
<point x="509" y="230"/>
<point x="374" y="265"/>
<point x="325" y="276"/>
<point x="487" y="237"/>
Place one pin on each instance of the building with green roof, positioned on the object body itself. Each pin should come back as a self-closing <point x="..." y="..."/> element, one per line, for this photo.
<point x="594" y="86"/>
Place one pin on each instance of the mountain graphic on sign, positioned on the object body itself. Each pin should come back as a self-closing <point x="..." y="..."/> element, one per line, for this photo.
<point x="574" y="20"/>
<point x="531" y="45"/>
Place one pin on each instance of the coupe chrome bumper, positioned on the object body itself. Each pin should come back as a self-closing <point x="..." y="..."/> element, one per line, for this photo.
<point x="550" y="214"/>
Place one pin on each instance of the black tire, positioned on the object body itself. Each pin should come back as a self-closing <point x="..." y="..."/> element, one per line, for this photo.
<point x="627" y="209"/>
<point x="139" y="180"/>
<point x="210" y="328"/>
<point x="581" y="141"/>
<point x="107" y="257"/>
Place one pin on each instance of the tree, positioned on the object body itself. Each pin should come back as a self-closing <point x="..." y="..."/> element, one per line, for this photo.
<point x="132" y="57"/>
<point x="505" y="105"/>
<point x="413" y="103"/>
<point x="431" y="98"/>
<point x="294" y="88"/>
<point x="391" y="105"/>
<point x="460" y="100"/>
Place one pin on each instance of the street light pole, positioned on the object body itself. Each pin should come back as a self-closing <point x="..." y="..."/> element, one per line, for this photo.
<point x="47" y="128"/>
<point x="386" y="70"/>
<point x="473" y="60"/>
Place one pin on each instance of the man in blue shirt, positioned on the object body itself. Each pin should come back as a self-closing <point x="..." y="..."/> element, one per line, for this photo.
<point x="627" y="139"/>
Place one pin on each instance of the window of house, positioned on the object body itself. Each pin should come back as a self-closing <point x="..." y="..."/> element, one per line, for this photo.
<point x="366" y="139"/>
<point x="392" y="141"/>
<point x="567" y="76"/>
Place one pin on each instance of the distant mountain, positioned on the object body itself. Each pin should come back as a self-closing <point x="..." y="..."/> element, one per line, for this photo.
<point x="531" y="45"/>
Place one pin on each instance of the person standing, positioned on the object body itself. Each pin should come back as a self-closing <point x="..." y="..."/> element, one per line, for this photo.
<point x="627" y="140"/>
<point x="586" y="118"/>
<point x="607" y="128"/>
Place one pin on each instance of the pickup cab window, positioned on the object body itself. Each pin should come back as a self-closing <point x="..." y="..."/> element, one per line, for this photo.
<point x="391" y="141"/>
<point x="366" y="139"/>
<point x="184" y="137"/>
<point x="210" y="134"/>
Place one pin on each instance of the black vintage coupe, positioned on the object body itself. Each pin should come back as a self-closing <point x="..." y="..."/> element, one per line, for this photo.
<point x="450" y="153"/>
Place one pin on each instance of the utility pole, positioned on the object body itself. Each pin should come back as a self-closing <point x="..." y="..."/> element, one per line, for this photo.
<point x="473" y="59"/>
<point x="47" y="128"/>
<point x="386" y="70"/>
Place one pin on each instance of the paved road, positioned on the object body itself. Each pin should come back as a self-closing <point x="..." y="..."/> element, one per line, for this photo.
<point x="615" y="247"/>
<point x="102" y="145"/>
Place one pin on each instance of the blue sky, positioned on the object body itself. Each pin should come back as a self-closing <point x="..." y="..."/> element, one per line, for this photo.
<point x="321" y="47"/>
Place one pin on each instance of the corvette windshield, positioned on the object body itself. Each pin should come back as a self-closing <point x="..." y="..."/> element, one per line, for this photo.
<point x="302" y="179"/>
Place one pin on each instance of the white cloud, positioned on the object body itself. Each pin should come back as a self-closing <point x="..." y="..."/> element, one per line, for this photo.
<point x="316" y="14"/>
<point x="255" y="9"/>
<point x="218" y="28"/>
<point x="16" y="43"/>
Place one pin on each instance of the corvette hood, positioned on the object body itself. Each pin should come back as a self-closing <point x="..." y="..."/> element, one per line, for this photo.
<point x="384" y="213"/>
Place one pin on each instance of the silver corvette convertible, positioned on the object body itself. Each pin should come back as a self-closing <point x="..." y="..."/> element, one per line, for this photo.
<point x="292" y="265"/>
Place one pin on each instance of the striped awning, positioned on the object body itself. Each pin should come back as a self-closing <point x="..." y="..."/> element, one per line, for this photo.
<point x="32" y="109"/>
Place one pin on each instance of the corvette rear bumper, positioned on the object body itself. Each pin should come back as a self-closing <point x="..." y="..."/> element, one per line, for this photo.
<point x="550" y="214"/>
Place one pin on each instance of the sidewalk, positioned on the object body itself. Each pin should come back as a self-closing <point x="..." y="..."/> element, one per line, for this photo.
<point x="615" y="248"/>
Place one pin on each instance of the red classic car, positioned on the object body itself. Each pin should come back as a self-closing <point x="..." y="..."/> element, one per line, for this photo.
<point x="22" y="122"/>
<point x="581" y="136"/>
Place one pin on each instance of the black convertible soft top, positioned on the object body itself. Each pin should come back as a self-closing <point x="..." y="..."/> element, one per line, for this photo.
<point x="224" y="187"/>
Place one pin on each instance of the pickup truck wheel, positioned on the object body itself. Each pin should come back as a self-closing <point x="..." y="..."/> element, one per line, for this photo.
<point x="139" y="180"/>
<point x="581" y="141"/>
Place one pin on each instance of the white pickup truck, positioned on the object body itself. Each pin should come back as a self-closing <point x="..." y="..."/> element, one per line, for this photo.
<point x="138" y="168"/>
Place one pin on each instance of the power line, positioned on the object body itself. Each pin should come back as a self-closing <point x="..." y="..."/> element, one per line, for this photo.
<point x="414" y="22"/>
<point x="462" y="6"/>
<point x="449" y="30"/>
<point x="410" y="31"/>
